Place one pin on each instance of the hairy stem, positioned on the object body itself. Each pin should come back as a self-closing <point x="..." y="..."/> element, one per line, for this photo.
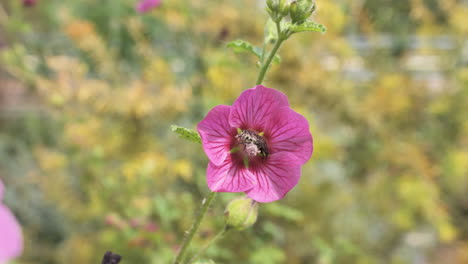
<point x="211" y="242"/>
<point x="193" y="229"/>
<point x="272" y="54"/>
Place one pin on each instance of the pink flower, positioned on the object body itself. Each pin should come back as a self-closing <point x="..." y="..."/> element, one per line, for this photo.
<point x="256" y="146"/>
<point x="146" y="5"/>
<point x="29" y="3"/>
<point x="11" y="239"/>
<point x="151" y="227"/>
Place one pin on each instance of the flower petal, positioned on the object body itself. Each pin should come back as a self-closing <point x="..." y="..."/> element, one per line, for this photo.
<point x="11" y="238"/>
<point x="146" y="5"/>
<point x="229" y="177"/>
<point x="255" y="107"/>
<point x="275" y="178"/>
<point x="289" y="131"/>
<point x="216" y="134"/>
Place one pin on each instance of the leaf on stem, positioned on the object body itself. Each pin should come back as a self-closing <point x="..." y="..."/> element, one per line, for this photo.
<point x="205" y="262"/>
<point x="271" y="33"/>
<point x="239" y="46"/>
<point x="186" y="133"/>
<point x="307" y="26"/>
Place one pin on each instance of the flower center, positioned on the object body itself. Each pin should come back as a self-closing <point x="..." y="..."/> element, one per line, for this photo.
<point x="254" y="144"/>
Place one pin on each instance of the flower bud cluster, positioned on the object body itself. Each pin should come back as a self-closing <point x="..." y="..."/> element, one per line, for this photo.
<point x="298" y="10"/>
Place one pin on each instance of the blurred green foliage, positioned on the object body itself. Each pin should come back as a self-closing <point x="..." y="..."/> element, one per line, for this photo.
<point x="89" y="90"/>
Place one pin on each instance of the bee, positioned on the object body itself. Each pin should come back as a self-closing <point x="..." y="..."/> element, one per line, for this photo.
<point x="254" y="144"/>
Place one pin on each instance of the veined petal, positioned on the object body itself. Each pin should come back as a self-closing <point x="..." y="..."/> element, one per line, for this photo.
<point x="289" y="131"/>
<point x="11" y="238"/>
<point x="216" y="133"/>
<point x="229" y="177"/>
<point x="255" y="107"/>
<point x="276" y="177"/>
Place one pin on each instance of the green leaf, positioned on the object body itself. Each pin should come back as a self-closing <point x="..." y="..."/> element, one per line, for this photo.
<point x="244" y="46"/>
<point x="267" y="255"/>
<point x="239" y="46"/>
<point x="205" y="262"/>
<point x="304" y="4"/>
<point x="277" y="59"/>
<point x="307" y="26"/>
<point x="284" y="212"/>
<point x="186" y="133"/>
<point x="271" y="34"/>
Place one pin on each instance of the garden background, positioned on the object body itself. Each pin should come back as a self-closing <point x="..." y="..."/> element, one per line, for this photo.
<point x="89" y="90"/>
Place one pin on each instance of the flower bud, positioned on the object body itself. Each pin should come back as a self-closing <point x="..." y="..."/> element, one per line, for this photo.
<point x="300" y="10"/>
<point x="241" y="213"/>
<point x="284" y="8"/>
<point x="293" y="10"/>
<point x="278" y="9"/>
<point x="273" y="5"/>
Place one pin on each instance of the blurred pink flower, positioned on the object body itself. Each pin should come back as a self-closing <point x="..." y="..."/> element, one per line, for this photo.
<point x="151" y="227"/>
<point x="135" y="222"/>
<point x="29" y="2"/>
<point x="11" y="238"/>
<point x="256" y="146"/>
<point x="146" y="5"/>
<point x="116" y="221"/>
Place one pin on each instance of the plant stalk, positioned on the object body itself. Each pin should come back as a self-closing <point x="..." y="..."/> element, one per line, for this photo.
<point x="193" y="229"/>
<point x="272" y="54"/>
<point x="211" y="242"/>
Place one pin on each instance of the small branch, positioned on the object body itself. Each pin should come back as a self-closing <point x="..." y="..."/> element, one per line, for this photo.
<point x="211" y="242"/>
<point x="193" y="229"/>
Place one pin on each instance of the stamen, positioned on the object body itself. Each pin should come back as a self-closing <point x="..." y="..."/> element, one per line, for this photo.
<point x="234" y="150"/>
<point x="246" y="162"/>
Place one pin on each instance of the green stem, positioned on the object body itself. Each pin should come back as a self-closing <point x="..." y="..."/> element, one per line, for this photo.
<point x="262" y="58"/>
<point x="211" y="242"/>
<point x="193" y="229"/>
<point x="272" y="54"/>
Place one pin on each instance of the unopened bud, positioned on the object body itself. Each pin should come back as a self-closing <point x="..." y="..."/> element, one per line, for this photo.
<point x="241" y="213"/>
<point x="301" y="10"/>
<point x="293" y="10"/>
<point x="273" y="5"/>
<point x="277" y="9"/>
<point x="284" y="8"/>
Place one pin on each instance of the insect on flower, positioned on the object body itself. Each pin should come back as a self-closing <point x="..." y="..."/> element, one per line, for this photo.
<point x="256" y="146"/>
